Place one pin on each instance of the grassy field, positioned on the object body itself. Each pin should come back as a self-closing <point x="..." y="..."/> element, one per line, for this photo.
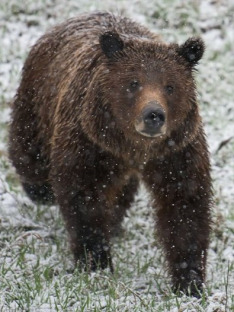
<point x="36" y="269"/>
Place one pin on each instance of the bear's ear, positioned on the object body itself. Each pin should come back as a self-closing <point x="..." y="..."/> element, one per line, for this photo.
<point x="111" y="43"/>
<point x="192" y="50"/>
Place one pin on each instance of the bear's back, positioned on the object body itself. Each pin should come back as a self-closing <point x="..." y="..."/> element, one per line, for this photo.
<point x="91" y="26"/>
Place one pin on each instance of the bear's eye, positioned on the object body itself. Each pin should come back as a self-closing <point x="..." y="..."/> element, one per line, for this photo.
<point x="134" y="85"/>
<point x="169" y="89"/>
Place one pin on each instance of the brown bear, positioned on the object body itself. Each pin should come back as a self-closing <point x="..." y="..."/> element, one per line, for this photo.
<point x="103" y="104"/>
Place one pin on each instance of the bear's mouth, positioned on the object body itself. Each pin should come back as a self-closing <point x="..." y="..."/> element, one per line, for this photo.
<point x="150" y="133"/>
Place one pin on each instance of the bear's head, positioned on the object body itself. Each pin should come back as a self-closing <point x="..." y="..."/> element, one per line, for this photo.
<point x="146" y="90"/>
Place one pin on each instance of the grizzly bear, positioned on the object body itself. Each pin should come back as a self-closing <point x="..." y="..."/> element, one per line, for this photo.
<point x="103" y="104"/>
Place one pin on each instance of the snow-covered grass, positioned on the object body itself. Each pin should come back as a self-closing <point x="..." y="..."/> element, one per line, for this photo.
<point x="35" y="261"/>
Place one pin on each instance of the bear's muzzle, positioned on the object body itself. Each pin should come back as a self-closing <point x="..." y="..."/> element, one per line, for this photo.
<point x="152" y="120"/>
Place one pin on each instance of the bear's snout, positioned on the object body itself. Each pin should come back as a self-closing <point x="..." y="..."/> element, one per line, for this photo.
<point x="152" y="120"/>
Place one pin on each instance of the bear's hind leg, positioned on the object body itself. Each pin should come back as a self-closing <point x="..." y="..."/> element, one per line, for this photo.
<point x="25" y="151"/>
<point x="41" y="193"/>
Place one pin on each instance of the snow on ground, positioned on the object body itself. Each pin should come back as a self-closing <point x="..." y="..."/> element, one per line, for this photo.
<point x="35" y="263"/>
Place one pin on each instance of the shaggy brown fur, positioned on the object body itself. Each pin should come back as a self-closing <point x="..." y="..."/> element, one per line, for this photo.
<point x="81" y="134"/>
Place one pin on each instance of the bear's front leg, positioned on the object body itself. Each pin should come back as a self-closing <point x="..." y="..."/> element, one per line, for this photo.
<point x="87" y="223"/>
<point x="181" y="188"/>
<point x="80" y="187"/>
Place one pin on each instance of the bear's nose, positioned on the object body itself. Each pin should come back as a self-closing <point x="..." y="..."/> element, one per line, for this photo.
<point x="153" y="118"/>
